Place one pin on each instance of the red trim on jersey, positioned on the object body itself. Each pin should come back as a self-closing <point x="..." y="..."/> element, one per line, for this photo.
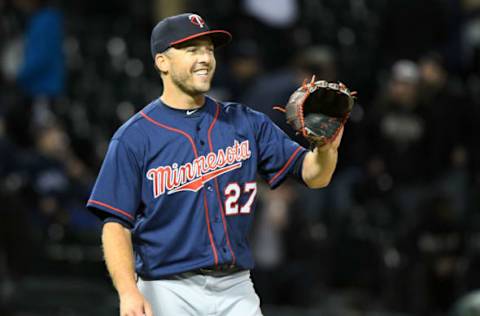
<point x="285" y="166"/>
<point x="173" y="130"/>
<point x="112" y="208"/>
<point x="207" y="218"/>
<point x="217" y="187"/>
<point x="208" y="227"/>
<point x="212" y="124"/>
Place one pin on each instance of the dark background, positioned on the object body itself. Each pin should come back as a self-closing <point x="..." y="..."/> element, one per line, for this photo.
<point x="395" y="233"/>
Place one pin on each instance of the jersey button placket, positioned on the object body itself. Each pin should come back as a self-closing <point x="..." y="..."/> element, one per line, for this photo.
<point x="200" y="137"/>
<point x="212" y="202"/>
<point x="211" y="192"/>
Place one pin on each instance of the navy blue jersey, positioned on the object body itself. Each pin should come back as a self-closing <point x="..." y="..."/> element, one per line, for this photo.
<point x="185" y="182"/>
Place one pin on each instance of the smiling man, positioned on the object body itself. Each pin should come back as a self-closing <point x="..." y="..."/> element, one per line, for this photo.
<point x="177" y="188"/>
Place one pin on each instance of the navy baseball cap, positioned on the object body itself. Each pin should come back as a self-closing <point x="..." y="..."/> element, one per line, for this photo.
<point x="181" y="28"/>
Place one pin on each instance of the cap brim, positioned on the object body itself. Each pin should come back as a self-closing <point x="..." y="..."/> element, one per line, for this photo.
<point x="219" y="37"/>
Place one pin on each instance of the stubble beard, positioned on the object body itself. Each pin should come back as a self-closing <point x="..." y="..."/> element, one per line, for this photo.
<point x="181" y="82"/>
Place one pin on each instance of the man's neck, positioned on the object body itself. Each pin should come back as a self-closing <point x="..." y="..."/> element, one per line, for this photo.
<point x="180" y="100"/>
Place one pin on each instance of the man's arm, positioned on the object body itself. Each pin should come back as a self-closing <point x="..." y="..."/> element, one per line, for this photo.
<point x="118" y="252"/>
<point x="319" y="164"/>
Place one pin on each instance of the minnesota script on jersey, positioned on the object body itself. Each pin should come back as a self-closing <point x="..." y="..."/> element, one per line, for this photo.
<point x="186" y="183"/>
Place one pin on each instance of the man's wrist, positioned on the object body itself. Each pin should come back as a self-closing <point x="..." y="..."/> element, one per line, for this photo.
<point x="325" y="148"/>
<point x="127" y="290"/>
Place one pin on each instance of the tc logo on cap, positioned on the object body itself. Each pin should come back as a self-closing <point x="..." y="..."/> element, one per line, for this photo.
<point x="197" y="20"/>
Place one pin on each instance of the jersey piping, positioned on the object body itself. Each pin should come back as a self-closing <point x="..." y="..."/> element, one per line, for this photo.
<point x="207" y="218"/>
<point x="112" y="208"/>
<point x="285" y="166"/>
<point x="216" y="184"/>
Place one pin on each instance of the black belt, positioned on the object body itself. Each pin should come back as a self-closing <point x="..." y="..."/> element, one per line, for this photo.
<point x="219" y="271"/>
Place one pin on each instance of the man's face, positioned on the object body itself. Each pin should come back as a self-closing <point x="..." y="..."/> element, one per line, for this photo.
<point x="403" y="92"/>
<point x="191" y="65"/>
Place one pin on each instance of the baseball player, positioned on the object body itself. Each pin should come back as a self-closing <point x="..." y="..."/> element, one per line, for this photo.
<point x="177" y="188"/>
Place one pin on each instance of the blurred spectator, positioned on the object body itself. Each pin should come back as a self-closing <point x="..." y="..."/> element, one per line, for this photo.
<point x="471" y="36"/>
<point x="444" y="105"/>
<point x="449" y="131"/>
<point x="274" y="27"/>
<point x="268" y="246"/>
<point x="434" y="250"/>
<point x="39" y="187"/>
<point x="279" y="248"/>
<point x="471" y="59"/>
<point x="61" y="180"/>
<point x="243" y="65"/>
<point x="284" y="15"/>
<point x="41" y="73"/>
<point x="16" y="250"/>
<point x="468" y="305"/>
<point x="397" y="132"/>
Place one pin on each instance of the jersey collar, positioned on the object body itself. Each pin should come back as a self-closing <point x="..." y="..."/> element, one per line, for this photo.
<point x="178" y="118"/>
<point x="208" y="107"/>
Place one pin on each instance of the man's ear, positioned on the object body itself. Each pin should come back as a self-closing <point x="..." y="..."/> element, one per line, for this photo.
<point x="161" y="61"/>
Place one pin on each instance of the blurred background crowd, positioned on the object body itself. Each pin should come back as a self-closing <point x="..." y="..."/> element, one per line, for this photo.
<point x="397" y="232"/>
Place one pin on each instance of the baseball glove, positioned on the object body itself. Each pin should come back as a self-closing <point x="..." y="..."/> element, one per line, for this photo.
<point x="319" y="109"/>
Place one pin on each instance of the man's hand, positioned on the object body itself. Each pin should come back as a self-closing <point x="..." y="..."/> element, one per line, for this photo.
<point x="117" y="249"/>
<point x="319" y="164"/>
<point x="133" y="303"/>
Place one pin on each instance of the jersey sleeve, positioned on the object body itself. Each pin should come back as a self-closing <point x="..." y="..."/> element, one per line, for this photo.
<point x="278" y="154"/>
<point x="117" y="190"/>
